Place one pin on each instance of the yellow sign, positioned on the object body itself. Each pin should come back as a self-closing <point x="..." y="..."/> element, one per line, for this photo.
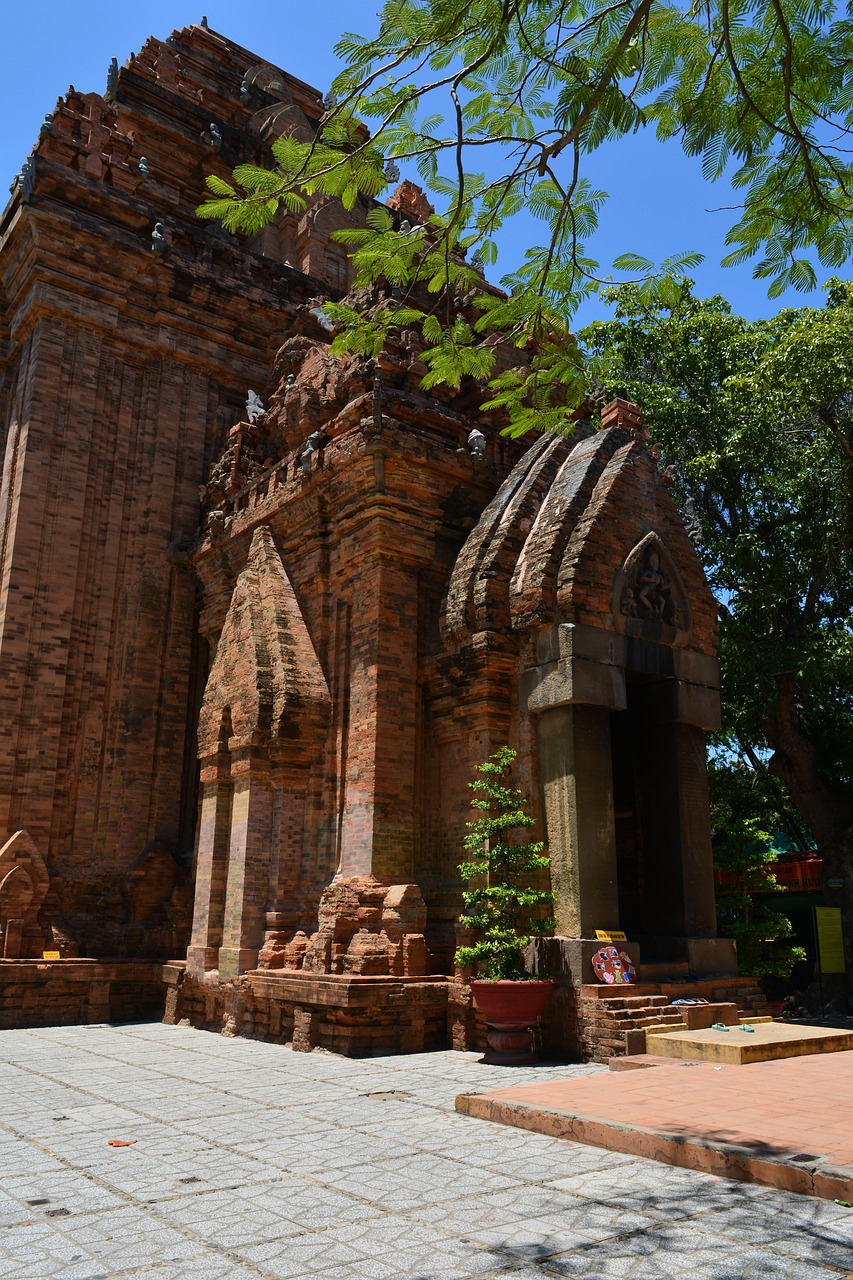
<point x="830" y="939"/>
<point x="50" y="955"/>
<point x="610" y="935"/>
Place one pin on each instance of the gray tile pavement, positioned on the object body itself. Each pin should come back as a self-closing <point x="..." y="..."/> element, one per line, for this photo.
<point x="255" y="1163"/>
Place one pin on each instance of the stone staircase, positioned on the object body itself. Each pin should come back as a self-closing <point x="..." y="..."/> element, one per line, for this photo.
<point x="611" y="1023"/>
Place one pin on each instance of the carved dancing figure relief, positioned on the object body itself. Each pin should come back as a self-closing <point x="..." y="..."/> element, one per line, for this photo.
<point x="650" y="595"/>
<point x="648" y="588"/>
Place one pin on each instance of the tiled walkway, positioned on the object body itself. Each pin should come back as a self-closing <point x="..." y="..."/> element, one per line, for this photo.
<point x="252" y="1161"/>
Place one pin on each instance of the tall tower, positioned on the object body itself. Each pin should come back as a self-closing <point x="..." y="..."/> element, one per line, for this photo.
<point x="130" y="334"/>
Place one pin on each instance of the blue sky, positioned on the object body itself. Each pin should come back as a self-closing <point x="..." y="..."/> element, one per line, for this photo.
<point x="659" y="204"/>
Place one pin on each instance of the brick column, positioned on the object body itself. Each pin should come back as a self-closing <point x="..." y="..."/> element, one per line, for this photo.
<point x="378" y="813"/>
<point x="247" y="891"/>
<point x="287" y="845"/>
<point x="211" y="863"/>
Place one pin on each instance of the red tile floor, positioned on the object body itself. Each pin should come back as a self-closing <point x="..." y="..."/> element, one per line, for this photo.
<point x="787" y="1123"/>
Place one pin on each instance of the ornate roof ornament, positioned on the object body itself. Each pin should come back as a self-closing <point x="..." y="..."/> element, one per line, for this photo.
<point x="112" y="78"/>
<point x="692" y="523"/>
<point x="254" y="406"/>
<point x="25" y="182"/>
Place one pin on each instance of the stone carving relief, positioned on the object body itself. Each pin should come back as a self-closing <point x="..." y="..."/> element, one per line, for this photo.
<point x="648" y="595"/>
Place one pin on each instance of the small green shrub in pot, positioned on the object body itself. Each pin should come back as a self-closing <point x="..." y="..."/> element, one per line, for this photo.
<point x="502" y="901"/>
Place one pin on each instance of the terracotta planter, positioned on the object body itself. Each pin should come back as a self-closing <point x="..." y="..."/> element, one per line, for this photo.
<point x="511" y="1009"/>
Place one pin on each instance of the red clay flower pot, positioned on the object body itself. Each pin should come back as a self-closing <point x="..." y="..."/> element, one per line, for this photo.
<point x="511" y="1009"/>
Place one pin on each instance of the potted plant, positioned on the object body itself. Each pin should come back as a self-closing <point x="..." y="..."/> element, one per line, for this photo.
<point x="500" y="906"/>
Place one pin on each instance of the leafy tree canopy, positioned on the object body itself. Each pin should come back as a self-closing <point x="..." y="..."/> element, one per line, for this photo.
<point x="499" y="103"/>
<point x="755" y="421"/>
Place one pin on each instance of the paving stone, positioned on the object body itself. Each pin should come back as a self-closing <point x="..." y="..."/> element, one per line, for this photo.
<point x="269" y="1184"/>
<point x="204" y="1267"/>
<point x="575" y="1224"/>
<point x="664" y="1256"/>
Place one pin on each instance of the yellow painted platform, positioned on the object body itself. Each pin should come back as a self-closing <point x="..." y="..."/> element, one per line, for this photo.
<point x="768" y="1041"/>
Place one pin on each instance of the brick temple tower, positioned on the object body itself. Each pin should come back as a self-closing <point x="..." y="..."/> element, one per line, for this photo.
<point x="264" y="610"/>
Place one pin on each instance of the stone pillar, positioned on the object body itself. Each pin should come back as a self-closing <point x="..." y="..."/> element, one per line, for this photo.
<point x="247" y="889"/>
<point x="700" y="912"/>
<point x="576" y="773"/>
<point x="211" y="863"/>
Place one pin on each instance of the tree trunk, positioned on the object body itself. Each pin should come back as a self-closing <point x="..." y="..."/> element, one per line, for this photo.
<point x="826" y="810"/>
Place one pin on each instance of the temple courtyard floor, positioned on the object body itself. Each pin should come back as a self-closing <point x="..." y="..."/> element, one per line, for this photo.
<point x="248" y="1160"/>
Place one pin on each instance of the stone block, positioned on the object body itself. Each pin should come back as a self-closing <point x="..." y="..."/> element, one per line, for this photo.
<point x="712" y="957"/>
<point x="635" y="1041"/>
<point x="698" y="1016"/>
<point x="766" y="1042"/>
<point x="570" y="960"/>
<point x="306" y="1024"/>
<point x="556" y="684"/>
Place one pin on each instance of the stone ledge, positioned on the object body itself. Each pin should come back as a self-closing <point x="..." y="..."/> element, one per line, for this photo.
<point x="727" y="1160"/>
<point x="40" y="993"/>
<point x="352" y="1015"/>
<point x="763" y="1123"/>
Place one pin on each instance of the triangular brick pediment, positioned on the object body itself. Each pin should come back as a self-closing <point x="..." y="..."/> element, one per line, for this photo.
<point x="629" y="565"/>
<point x="266" y="671"/>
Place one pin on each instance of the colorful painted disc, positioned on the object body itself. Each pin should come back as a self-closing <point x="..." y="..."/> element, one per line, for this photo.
<point x="612" y="965"/>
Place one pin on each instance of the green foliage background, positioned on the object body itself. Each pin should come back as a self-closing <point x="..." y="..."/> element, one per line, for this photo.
<point x="499" y="103"/>
<point x="744" y="823"/>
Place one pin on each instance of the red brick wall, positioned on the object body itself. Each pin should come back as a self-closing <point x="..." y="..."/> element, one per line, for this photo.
<point x="65" y="992"/>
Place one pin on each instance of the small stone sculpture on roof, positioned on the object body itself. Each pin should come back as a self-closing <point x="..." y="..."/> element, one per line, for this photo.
<point x="254" y="406"/>
<point x="477" y="445"/>
<point x="158" y="238"/>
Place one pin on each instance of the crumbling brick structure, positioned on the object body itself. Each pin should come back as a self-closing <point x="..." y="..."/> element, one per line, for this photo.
<point x="249" y="657"/>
